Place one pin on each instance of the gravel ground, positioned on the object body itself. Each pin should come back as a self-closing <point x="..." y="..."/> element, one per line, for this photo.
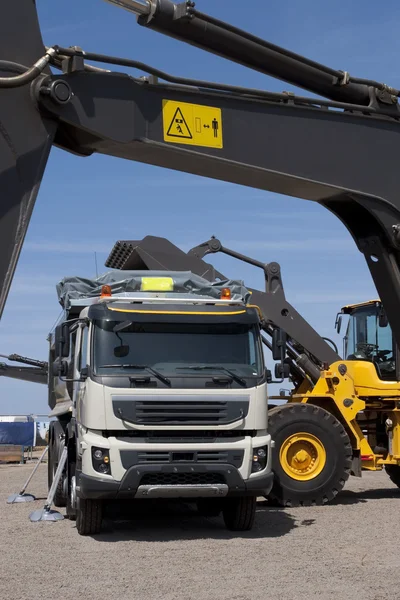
<point x="344" y="551"/>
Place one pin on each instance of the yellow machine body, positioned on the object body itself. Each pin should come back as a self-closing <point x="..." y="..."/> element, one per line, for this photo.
<point x="361" y="400"/>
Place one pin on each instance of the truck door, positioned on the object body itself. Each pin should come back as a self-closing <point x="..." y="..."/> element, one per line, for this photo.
<point x="80" y="362"/>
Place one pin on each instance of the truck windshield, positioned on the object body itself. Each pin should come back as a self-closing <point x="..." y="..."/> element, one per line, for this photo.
<point x="367" y="339"/>
<point x="173" y="348"/>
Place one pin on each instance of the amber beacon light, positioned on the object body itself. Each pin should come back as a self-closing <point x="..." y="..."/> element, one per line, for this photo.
<point x="105" y="291"/>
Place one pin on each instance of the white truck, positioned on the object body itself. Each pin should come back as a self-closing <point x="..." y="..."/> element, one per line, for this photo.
<point x="158" y="383"/>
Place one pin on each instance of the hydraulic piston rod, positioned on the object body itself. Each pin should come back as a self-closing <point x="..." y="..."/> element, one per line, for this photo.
<point x="183" y="22"/>
<point x="139" y="7"/>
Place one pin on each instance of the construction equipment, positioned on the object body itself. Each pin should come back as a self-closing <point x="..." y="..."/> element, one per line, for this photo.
<point x="36" y="372"/>
<point x="159" y="387"/>
<point x="246" y="136"/>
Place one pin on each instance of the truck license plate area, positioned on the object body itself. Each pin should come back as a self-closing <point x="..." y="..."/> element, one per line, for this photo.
<point x="183" y="456"/>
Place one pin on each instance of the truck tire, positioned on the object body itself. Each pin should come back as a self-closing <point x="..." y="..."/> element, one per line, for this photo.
<point x="394" y="473"/>
<point x="56" y="433"/>
<point x="89" y="516"/>
<point x="312" y="456"/>
<point x="239" y="513"/>
<point x="71" y="508"/>
<point x="209" y="507"/>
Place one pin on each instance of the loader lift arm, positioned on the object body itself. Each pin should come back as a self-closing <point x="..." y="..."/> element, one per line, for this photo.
<point x="341" y="152"/>
<point x="306" y="349"/>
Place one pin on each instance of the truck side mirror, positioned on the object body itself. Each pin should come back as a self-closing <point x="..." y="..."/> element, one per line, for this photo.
<point x="338" y="323"/>
<point x="60" y="368"/>
<point x="62" y="340"/>
<point x="278" y="349"/>
<point x="382" y="319"/>
<point x="282" y="371"/>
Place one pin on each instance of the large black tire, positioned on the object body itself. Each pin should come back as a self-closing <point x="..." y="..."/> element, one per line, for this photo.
<point x="89" y="516"/>
<point x="209" y="507"/>
<point x="71" y="510"/>
<point x="56" y="444"/>
<point x="394" y="473"/>
<point x="331" y="469"/>
<point x="239" y="513"/>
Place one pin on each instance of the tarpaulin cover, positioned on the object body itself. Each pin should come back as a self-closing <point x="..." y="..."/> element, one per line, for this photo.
<point x="17" y="434"/>
<point x="73" y="288"/>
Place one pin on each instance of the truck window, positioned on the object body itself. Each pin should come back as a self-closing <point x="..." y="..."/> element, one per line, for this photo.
<point x="82" y="362"/>
<point x="172" y="346"/>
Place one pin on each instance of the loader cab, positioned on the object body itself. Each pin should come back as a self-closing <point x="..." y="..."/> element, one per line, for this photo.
<point x="369" y="337"/>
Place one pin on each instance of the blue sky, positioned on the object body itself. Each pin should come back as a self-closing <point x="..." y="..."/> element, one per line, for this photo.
<point x="76" y="211"/>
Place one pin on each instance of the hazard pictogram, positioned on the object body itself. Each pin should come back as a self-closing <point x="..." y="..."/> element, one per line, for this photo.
<point x="192" y="124"/>
<point x="178" y="127"/>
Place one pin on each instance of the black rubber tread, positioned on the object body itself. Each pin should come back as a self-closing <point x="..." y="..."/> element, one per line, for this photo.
<point x="394" y="473"/>
<point x="89" y="516"/>
<point x="209" y="507"/>
<point x="239" y="513"/>
<point x="284" y="421"/>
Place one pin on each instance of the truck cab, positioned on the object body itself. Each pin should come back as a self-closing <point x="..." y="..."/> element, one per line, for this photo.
<point x="161" y="393"/>
<point x="369" y="337"/>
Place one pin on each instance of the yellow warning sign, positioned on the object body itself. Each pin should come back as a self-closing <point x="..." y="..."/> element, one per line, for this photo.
<point x="194" y="124"/>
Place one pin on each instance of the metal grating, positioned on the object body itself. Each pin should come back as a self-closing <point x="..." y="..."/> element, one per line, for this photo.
<point x="181" y="412"/>
<point x="130" y="458"/>
<point x="182" y="479"/>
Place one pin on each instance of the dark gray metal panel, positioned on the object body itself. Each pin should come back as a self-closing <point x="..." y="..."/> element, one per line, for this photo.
<point x="25" y="136"/>
<point x="153" y="253"/>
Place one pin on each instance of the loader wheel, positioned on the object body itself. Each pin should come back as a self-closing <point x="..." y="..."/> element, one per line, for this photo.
<point x="312" y="455"/>
<point x="89" y="516"/>
<point x="394" y="473"/>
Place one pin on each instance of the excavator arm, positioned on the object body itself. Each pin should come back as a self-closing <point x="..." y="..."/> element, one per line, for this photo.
<point x="341" y="152"/>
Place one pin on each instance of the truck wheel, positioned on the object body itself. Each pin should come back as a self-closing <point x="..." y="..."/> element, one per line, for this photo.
<point x="89" y="515"/>
<point x="239" y="513"/>
<point x="56" y="433"/>
<point x="71" y="497"/>
<point x="312" y="456"/>
<point x="394" y="473"/>
<point x="209" y="507"/>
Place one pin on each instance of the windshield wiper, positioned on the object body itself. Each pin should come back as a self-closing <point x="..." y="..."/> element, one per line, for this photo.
<point x="143" y="367"/>
<point x="235" y="377"/>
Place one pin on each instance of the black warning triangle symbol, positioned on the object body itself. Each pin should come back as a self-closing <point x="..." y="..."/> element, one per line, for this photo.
<point x="179" y="128"/>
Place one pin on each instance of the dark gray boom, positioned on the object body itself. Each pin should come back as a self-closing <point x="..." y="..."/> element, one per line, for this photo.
<point x="342" y="152"/>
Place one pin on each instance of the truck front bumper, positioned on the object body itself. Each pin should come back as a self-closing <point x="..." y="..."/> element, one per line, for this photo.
<point x="175" y="481"/>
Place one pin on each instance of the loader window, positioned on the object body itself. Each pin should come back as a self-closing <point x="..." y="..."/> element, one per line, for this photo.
<point x="170" y="347"/>
<point x="367" y="339"/>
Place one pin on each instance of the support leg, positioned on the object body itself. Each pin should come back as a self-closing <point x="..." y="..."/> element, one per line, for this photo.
<point x="21" y="496"/>
<point x="46" y="514"/>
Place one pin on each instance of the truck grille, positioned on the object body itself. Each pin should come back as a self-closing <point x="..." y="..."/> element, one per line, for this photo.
<point x="182" y="479"/>
<point x="130" y="458"/>
<point x="178" y="410"/>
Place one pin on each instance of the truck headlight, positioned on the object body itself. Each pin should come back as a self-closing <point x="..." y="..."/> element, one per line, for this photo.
<point x="101" y="460"/>
<point x="260" y="456"/>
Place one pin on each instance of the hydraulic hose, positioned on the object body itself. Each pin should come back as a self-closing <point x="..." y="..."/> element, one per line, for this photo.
<point x="27" y="75"/>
